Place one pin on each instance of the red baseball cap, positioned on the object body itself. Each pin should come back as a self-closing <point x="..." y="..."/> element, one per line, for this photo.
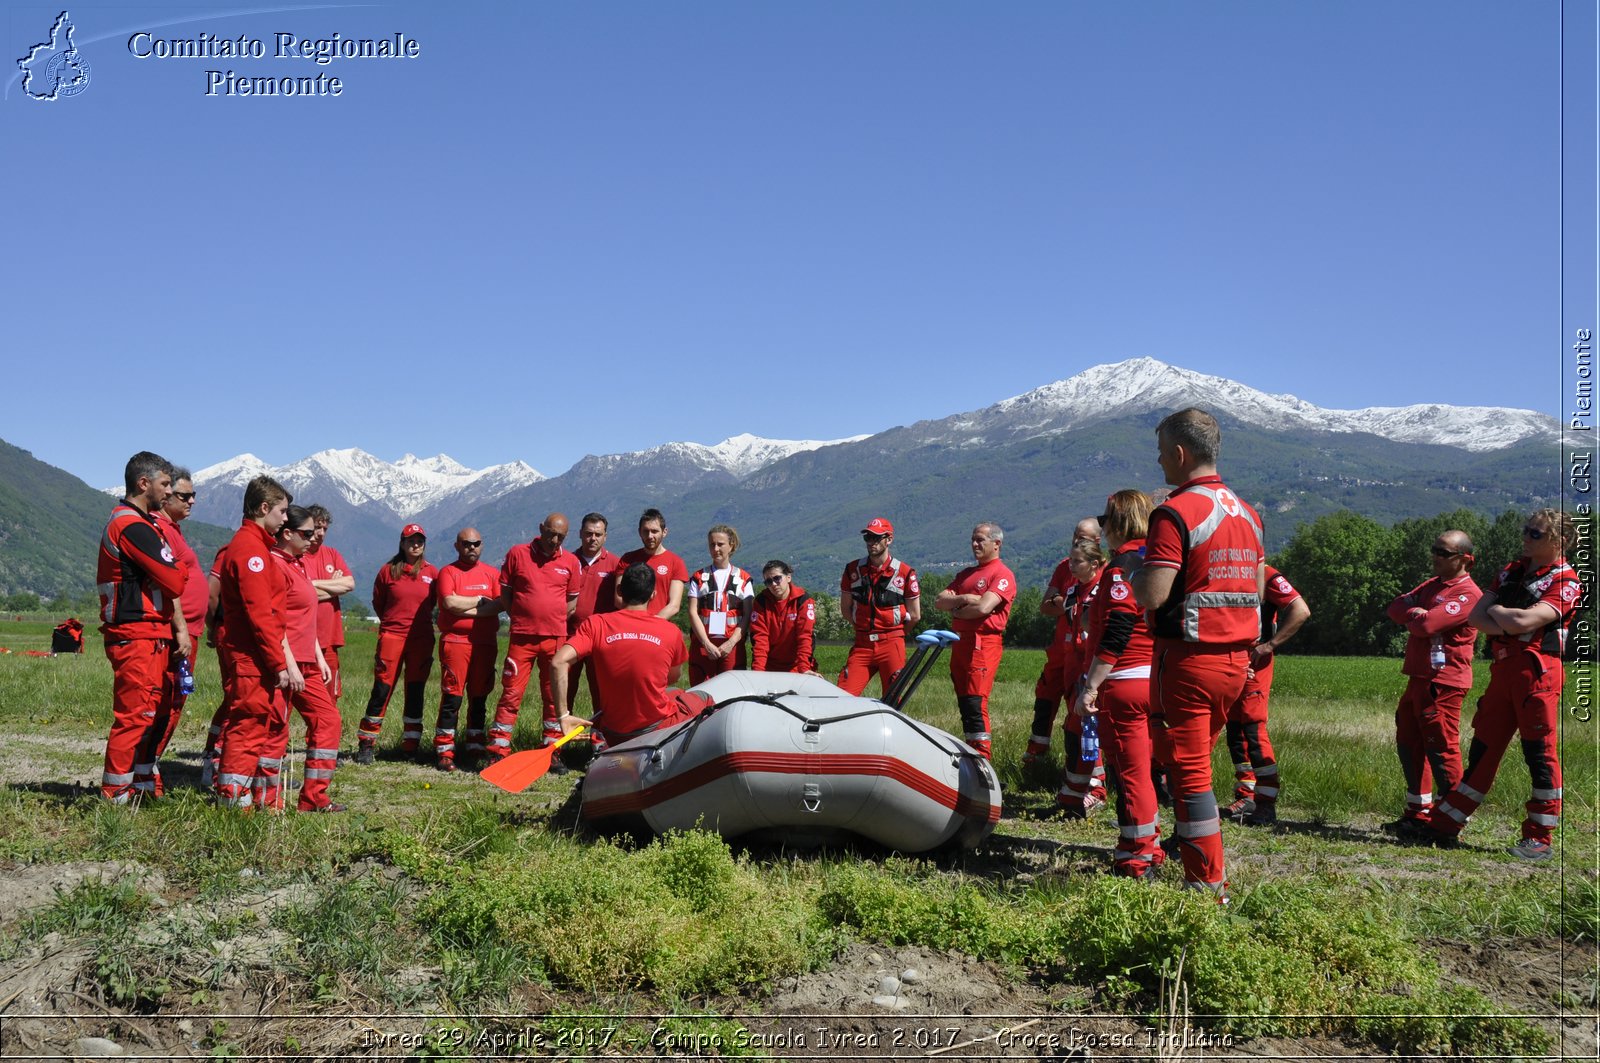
<point x="412" y="529"/>
<point x="879" y="526"/>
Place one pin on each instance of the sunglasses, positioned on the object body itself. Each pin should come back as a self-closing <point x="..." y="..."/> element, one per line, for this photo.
<point x="469" y="542"/>
<point x="185" y="496"/>
<point x="1533" y="533"/>
<point x="1439" y="551"/>
<point x="868" y="537"/>
<point x="304" y="533"/>
<point x="773" y="581"/>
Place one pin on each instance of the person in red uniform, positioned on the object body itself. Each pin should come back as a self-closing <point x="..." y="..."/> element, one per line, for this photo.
<point x="782" y="623"/>
<point x="469" y="645"/>
<point x="140" y="582"/>
<point x="1255" y="764"/>
<point x="403" y="597"/>
<point x="598" y="569"/>
<point x="1525" y="613"/>
<point x="213" y="750"/>
<point x="671" y="572"/>
<point x="1116" y="687"/>
<point x="1083" y="787"/>
<point x="881" y="599"/>
<point x="196" y="594"/>
<point x="979" y="603"/>
<point x="260" y="671"/>
<point x="1201" y="583"/>
<point x="720" y="596"/>
<point x="1438" y="670"/>
<point x="638" y="657"/>
<point x="1059" y="595"/>
<point x="312" y="701"/>
<point x="333" y="578"/>
<point x="539" y="585"/>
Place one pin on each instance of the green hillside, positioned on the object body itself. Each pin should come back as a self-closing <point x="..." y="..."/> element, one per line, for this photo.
<point x="50" y="525"/>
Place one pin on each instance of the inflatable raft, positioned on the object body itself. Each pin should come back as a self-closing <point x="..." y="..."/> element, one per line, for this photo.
<point x="796" y="758"/>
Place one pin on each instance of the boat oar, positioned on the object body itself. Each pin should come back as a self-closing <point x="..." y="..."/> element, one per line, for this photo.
<point x="925" y="643"/>
<point x="517" y="772"/>
<point x="924" y="664"/>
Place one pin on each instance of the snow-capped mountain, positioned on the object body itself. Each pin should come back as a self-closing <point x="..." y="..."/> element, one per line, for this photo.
<point x="404" y="488"/>
<point x="738" y="456"/>
<point x="1141" y="385"/>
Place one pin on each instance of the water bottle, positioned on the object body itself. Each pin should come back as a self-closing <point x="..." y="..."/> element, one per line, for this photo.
<point x="1436" y="653"/>
<point x="1089" y="745"/>
<point x="185" y="677"/>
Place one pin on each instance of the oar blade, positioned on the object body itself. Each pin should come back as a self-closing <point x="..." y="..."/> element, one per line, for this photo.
<point x="517" y="771"/>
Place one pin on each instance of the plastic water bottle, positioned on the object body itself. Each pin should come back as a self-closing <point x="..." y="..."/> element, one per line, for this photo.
<point x="1089" y="745"/>
<point x="185" y="677"/>
<point x="1436" y="653"/>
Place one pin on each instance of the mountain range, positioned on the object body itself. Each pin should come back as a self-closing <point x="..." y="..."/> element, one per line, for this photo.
<point x="1035" y="463"/>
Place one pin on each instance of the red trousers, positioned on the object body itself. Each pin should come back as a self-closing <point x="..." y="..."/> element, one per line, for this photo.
<point x="702" y="667"/>
<point x="253" y="733"/>
<point x="1126" y="744"/>
<point x="141" y="676"/>
<point x="1524" y="696"/>
<point x="1191" y="690"/>
<point x="336" y="684"/>
<point x="883" y="657"/>
<point x="316" y="707"/>
<point x="1427" y="735"/>
<point x="1047" y="694"/>
<point x="521" y="654"/>
<point x="688" y="705"/>
<point x="973" y="664"/>
<point x="396" y="648"/>
<point x="208" y="759"/>
<point x="465" y="668"/>
<point x="1255" y="765"/>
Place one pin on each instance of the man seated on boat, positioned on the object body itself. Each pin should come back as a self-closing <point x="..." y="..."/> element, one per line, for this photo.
<point x="637" y="658"/>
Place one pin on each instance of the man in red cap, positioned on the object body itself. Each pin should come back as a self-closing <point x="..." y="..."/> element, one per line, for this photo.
<point x="979" y="603"/>
<point x="539" y="590"/>
<point x="879" y="597"/>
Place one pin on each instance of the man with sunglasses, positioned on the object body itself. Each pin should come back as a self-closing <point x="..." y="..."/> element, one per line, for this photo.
<point x="1525" y="612"/>
<point x="191" y="607"/>
<point x="881" y="599"/>
<point x="1438" y="671"/>
<point x="469" y="642"/>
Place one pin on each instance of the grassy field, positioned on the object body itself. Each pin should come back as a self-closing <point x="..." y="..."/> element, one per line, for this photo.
<point x="439" y="896"/>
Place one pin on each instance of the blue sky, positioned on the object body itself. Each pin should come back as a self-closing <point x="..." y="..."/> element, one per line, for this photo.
<point x="571" y="228"/>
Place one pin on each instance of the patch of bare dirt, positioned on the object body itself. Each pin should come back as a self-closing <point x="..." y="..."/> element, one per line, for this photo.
<point x="1549" y="982"/>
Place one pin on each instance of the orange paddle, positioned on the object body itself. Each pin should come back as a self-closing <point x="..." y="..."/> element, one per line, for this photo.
<point x="518" y="771"/>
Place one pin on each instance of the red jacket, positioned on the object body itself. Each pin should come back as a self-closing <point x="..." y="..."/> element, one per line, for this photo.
<point x="1448" y="603"/>
<point x="1117" y="632"/>
<point x="783" y="632"/>
<point x="253" y="599"/>
<point x="138" y="576"/>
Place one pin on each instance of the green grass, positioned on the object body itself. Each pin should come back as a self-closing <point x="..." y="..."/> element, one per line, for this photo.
<point x="480" y="899"/>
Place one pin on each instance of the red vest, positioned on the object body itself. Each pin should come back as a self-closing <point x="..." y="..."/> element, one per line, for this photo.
<point x="1216" y="599"/>
<point x="138" y="577"/>
<point x="878" y="600"/>
<point x="707" y="598"/>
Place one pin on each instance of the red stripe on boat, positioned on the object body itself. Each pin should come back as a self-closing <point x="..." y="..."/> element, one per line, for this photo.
<point x="793" y="764"/>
